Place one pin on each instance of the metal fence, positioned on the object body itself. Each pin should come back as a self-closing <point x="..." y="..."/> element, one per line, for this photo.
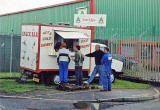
<point x="9" y="54"/>
<point x="141" y="58"/>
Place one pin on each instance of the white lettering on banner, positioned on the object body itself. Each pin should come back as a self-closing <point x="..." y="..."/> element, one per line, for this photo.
<point x="90" y="20"/>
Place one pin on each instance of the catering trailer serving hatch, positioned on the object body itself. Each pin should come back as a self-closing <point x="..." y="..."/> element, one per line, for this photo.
<point x="38" y="49"/>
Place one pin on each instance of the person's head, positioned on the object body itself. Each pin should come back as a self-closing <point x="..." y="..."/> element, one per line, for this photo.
<point x="77" y="47"/>
<point x="97" y="47"/>
<point x="106" y="50"/>
<point x="64" y="45"/>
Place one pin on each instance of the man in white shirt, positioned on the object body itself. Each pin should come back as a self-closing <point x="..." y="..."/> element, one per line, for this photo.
<point x="63" y="61"/>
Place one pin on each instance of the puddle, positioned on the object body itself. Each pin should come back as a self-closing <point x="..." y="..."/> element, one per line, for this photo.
<point x="95" y="106"/>
<point x="86" y="106"/>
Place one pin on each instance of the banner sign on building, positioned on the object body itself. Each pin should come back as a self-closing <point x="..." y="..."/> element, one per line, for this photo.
<point x="90" y="20"/>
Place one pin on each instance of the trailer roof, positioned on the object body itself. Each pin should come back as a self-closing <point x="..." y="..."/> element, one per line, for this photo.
<point x="40" y="8"/>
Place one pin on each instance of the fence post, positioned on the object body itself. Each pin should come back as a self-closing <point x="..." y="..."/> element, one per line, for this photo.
<point x="11" y="54"/>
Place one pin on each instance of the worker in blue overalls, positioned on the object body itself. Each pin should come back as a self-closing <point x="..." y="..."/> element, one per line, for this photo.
<point x="106" y="70"/>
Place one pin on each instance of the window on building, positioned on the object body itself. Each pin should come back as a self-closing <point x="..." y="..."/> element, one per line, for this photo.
<point x="145" y="52"/>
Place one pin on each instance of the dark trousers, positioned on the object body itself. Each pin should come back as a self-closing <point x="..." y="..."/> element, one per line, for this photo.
<point x="79" y="75"/>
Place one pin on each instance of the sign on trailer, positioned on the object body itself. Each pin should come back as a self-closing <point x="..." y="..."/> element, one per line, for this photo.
<point x="90" y="20"/>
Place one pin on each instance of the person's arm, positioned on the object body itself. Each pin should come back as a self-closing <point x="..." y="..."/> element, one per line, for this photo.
<point x="93" y="54"/>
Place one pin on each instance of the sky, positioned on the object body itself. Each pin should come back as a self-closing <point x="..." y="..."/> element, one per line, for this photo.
<point x="8" y="6"/>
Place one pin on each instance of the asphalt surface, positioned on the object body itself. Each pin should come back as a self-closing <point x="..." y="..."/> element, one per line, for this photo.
<point x="66" y="102"/>
<point x="148" y="105"/>
<point x="91" y="95"/>
<point x="96" y="94"/>
<point x="26" y="104"/>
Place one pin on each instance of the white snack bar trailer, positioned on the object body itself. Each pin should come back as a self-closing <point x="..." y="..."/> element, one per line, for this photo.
<point x="38" y="55"/>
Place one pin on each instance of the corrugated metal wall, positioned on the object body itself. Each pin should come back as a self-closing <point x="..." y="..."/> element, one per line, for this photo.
<point x="129" y="18"/>
<point x="64" y="13"/>
<point x="133" y="34"/>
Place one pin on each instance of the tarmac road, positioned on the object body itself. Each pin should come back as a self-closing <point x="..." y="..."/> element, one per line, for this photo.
<point x="27" y="104"/>
<point x="148" y="105"/>
<point x="42" y="104"/>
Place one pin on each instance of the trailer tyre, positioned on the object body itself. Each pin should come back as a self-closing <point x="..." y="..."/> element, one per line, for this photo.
<point x="56" y="79"/>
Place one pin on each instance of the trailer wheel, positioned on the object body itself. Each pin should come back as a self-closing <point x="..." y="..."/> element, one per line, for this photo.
<point x="56" y="79"/>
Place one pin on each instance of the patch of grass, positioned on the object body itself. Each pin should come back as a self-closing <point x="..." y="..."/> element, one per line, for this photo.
<point x="9" y="75"/>
<point x="122" y="84"/>
<point x="129" y="85"/>
<point x="12" y="87"/>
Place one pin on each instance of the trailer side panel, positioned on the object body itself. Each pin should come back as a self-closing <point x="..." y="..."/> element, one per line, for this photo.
<point x="29" y="47"/>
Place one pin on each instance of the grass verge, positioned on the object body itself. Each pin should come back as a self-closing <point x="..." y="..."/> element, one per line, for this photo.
<point x="9" y="75"/>
<point x="121" y="84"/>
<point x="129" y="85"/>
<point x="12" y="87"/>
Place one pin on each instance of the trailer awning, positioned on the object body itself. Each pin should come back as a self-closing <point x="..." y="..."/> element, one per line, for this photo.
<point x="71" y="35"/>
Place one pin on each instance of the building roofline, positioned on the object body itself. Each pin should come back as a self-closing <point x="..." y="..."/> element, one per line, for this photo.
<point x="44" y="7"/>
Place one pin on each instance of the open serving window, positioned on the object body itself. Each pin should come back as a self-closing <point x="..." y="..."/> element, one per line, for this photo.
<point x="71" y="38"/>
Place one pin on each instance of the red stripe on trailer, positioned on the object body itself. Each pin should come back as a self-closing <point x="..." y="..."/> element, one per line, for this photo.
<point x="40" y="70"/>
<point x="28" y="69"/>
<point x="39" y="40"/>
<point x="58" y="70"/>
<point x="40" y="8"/>
<point x="65" y="26"/>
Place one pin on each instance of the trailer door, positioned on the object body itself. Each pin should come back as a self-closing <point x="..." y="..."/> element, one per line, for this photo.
<point x="29" y="47"/>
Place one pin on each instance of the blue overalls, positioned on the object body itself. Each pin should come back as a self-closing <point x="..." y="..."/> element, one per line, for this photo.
<point x="106" y="74"/>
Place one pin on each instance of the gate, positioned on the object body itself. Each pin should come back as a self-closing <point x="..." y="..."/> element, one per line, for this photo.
<point x="5" y="53"/>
